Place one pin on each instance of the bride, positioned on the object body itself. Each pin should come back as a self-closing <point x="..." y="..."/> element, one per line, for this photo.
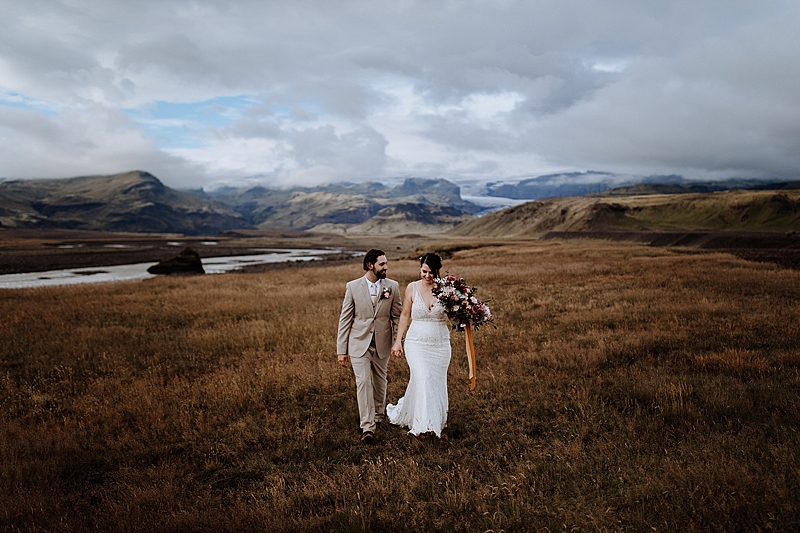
<point x="423" y="409"/>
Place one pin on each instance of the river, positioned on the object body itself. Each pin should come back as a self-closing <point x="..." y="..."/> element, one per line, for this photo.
<point x="138" y="271"/>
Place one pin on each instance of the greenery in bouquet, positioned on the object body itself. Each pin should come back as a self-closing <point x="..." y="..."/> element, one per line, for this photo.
<point x="460" y="303"/>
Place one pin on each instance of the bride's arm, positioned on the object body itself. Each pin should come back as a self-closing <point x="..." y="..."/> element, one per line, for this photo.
<point x="405" y="318"/>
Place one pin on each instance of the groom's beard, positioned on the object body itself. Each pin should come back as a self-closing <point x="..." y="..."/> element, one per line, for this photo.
<point x="381" y="274"/>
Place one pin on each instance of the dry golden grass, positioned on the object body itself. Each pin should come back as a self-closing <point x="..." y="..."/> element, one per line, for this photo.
<point x="625" y="388"/>
<point x="742" y="363"/>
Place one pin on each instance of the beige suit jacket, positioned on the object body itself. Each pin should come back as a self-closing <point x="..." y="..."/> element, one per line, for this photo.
<point x="360" y="321"/>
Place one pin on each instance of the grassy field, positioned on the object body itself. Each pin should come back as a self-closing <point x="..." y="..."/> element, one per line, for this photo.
<point x="626" y="388"/>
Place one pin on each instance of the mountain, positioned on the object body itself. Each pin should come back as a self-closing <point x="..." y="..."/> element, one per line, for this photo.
<point x="563" y="184"/>
<point x="687" y="187"/>
<point x="128" y="202"/>
<point x="301" y="210"/>
<point x="139" y="202"/>
<point x="351" y="207"/>
<point x="399" y="219"/>
<point x="607" y="183"/>
<point x="761" y="210"/>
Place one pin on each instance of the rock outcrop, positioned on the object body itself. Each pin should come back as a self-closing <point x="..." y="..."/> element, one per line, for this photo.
<point x="186" y="262"/>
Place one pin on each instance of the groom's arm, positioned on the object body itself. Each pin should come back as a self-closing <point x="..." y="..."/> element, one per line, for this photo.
<point x="397" y="309"/>
<point x="345" y="324"/>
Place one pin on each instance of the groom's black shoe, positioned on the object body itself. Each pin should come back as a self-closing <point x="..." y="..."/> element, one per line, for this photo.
<point x="368" y="437"/>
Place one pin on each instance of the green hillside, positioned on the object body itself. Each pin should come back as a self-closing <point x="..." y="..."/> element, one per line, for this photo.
<point x="766" y="210"/>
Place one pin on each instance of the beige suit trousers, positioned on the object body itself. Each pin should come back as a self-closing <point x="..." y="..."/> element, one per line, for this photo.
<point x="370" y="371"/>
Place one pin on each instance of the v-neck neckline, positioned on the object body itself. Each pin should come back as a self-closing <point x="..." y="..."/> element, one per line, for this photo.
<point x="428" y="307"/>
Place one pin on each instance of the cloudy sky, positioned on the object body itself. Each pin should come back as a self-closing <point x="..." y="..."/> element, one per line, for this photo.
<point x="281" y="92"/>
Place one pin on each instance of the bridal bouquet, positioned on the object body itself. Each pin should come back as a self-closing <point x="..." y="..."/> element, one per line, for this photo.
<point x="460" y="304"/>
<point x="464" y="310"/>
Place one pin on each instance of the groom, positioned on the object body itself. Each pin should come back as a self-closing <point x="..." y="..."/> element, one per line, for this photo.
<point x="367" y="326"/>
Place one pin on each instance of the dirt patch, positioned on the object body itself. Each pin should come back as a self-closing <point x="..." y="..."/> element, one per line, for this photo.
<point x="345" y="258"/>
<point x="49" y="257"/>
<point x="781" y="248"/>
<point x="785" y="258"/>
<point x="42" y="250"/>
<point x="25" y="250"/>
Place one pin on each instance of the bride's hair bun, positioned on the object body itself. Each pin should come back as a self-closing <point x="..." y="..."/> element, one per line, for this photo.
<point x="433" y="261"/>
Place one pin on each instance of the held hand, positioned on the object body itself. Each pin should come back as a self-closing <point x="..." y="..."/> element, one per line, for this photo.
<point x="397" y="349"/>
<point x="342" y="360"/>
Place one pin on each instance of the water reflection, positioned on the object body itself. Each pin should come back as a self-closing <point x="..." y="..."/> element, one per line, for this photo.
<point x="138" y="271"/>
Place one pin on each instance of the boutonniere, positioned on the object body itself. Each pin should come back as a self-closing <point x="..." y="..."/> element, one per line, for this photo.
<point x="386" y="293"/>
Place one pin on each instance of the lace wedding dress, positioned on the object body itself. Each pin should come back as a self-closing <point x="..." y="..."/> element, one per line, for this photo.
<point x="427" y="348"/>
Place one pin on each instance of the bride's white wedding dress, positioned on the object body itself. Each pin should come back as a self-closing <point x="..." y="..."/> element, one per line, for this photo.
<point x="427" y="348"/>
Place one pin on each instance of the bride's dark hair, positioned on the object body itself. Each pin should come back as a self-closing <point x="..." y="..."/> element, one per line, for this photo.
<point x="433" y="261"/>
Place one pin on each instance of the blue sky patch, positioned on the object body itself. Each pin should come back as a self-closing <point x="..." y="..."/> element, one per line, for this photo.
<point x="19" y="101"/>
<point x="186" y="125"/>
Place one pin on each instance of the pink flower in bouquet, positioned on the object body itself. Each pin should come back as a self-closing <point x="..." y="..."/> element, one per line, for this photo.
<point x="460" y="303"/>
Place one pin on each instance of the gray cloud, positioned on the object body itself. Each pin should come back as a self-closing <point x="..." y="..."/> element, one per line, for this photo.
<point x="360" y="89"/>
<point x="89" y="142"/>
<point x="250" y="128"/>
<point x="357" y="155"/>
<point x="725" y="105"/>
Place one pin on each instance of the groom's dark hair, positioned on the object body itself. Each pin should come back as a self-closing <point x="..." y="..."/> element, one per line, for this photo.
<point x="371" y="257"/>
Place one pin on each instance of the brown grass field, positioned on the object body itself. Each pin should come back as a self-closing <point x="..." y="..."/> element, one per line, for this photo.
<point x="626" y="388"/>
